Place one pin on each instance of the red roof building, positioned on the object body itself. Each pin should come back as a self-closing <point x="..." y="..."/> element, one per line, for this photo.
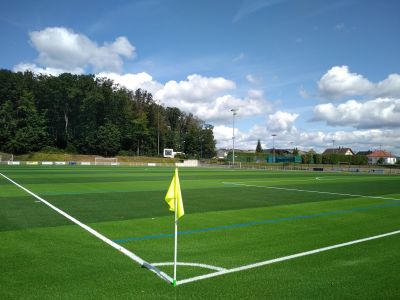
<point x="383" y="156"/>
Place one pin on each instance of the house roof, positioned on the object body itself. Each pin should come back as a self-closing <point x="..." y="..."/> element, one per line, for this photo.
<point x="380" y="153"/>
<point x="364" y="152"/>
<point x="340" y="150"/>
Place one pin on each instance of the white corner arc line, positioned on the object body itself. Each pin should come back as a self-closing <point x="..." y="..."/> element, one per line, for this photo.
<point x="189" y="264"/>
<point x="308" y="191"/>
<point x="271" y="261"/>
<point x="123" y="250"/>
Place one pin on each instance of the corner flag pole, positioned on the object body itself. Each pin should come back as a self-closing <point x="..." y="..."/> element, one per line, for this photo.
<point x="176" y="226"/>
<point x="174" y="200"/>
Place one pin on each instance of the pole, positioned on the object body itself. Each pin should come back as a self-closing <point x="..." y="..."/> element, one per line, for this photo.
<point x="273" y="146"/>
<point x="233" y="135"/>
<point x="176" y="227"/>
<point x="158" y="128"/>
<point x="233" y="141"/>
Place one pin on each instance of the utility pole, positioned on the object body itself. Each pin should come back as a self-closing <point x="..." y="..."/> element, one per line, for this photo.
<point x="233" y="110"/>
<point x="273" y="146"/>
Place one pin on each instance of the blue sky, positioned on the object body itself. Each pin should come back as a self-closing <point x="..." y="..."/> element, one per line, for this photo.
<point x="310" y="71"/>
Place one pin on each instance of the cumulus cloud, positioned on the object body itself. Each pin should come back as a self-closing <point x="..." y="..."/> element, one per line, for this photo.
<point x="378" y="113"/>
<point x="358" y="140"/>
<point x="339" y="83"/>
<point x="22" y="67"/>
<point x="63" y="49"/>
<point x="243" y="140"/>
<point x="281" y="122"/>
<point x="219" y="109"/>
<point x="195" y="88"/>
<point x="390" y="87"/>
<point x="133" y="81"/>
<point x="205" y="97"/>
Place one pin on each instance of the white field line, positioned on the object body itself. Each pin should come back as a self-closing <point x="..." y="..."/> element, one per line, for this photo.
<point x="189" y="265"/>
<point x="268" y="262"/>
<point x="308" y="191"/>
<point x="125" y="251"/>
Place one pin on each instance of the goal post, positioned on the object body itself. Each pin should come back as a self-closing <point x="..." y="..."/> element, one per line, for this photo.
<point x="6" y="157"/>
<point x="106" y="161"/>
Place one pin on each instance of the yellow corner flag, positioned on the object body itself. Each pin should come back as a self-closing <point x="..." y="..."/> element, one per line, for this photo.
<point x="174" y="195"/>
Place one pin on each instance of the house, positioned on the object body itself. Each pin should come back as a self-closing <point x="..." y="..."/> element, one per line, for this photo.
<point x="340" y="150"/>
<point x="381" y="157"/>
<point x="222" y="153"/>
<point x="365" y="153"/>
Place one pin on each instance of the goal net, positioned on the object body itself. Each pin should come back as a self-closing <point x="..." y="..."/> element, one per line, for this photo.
<point x="6" y="157"/>
<point x="106" y="161"/>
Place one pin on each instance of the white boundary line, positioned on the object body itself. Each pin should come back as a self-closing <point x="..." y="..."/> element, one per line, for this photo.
<point x="271" y="261"/>
<point x="308" y="191"/>
<point x="125" y="251"/>
<point x="215" y="268"/>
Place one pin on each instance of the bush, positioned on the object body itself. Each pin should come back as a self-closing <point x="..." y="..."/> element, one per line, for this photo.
<point x="49" y="149"/>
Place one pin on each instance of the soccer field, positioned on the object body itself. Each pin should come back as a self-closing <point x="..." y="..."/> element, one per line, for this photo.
<point x="246" y="234"/>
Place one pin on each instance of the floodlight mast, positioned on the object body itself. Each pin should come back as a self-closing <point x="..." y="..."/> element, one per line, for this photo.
<point x="233" y="110"/>
<point x="273" y="146"/>
<point x="158" y="126"/>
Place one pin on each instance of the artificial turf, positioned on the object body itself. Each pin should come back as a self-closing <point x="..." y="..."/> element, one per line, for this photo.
<point x="45" y="256"/>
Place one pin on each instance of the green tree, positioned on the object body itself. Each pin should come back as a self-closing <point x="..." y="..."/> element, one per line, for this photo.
<point x="108" y="140"/>
<point x="8" y="124"/>
<point x="259" y="148"/>
<point x="208" y="144"/>
<point x="31" y="134"/>
<point x="78" y="112"/>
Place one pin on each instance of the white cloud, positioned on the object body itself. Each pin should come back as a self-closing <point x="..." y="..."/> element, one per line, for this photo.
<point x="239" y="57"/>
<point x="358" y="140"/>
<point x="251" y="78"/>
<point x="219" y="109"/>
<point x="281" y="122"/>
<point x="133" y="81"/>
<point x="243" y="140"/>
<point x="339" y="83"/>
<point x="195" y="88"/>
<point x="378" y="113"/>
<point x="22" y="67"/>
<point x="390" y="87"/>
<point x="63" y="49"/>
<point x="205" y="97"/>
<point x="304" y="93"/>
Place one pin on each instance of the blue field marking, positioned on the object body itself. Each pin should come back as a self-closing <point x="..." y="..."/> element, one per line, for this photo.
<point x="262" y="222"/>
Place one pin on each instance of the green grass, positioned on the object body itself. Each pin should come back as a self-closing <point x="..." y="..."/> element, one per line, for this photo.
<point x="45" y="256"/>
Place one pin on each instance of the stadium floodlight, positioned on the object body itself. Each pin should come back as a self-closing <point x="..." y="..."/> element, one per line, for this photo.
<point x="233" y="110"/>
<point x="273" y="146"/>
<point x="158" y="103"/>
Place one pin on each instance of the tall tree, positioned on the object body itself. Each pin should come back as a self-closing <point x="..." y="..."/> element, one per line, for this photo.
<point x="91" y="115"/>
<point x="259" y="148"/>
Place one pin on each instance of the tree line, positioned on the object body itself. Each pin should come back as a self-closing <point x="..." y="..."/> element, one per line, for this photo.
<point x="89" y="115"/>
